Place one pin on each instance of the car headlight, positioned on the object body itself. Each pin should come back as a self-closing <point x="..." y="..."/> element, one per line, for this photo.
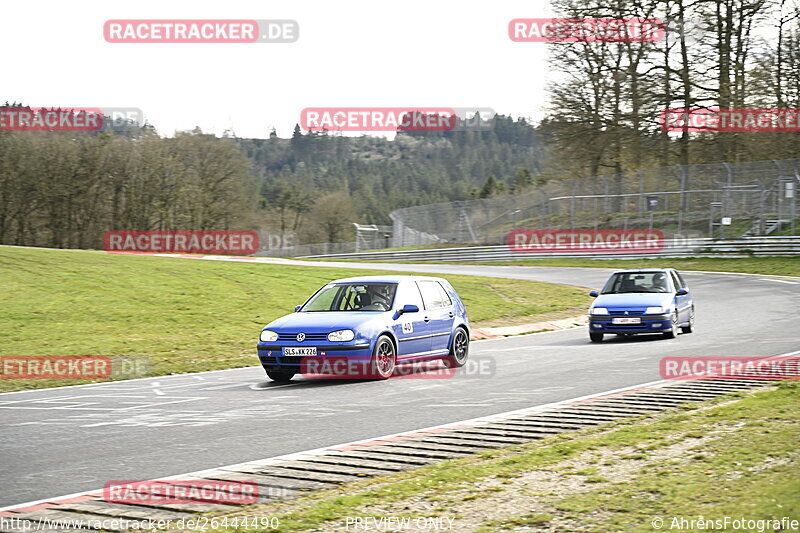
<point x="342" y="335"/>
<point x="655" y="311"/>
<point x="268" y="336"/>
<point x="598" y="311"/>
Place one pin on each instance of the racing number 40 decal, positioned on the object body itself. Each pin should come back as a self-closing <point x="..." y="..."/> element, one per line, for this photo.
<point x="408" y="327"/>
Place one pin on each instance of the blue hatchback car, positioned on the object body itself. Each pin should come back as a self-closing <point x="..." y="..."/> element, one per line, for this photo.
<point x="371" y="323"/>
<point x="651" y="300"/>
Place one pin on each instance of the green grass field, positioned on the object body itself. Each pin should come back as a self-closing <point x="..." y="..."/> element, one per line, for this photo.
<point x="188" y="315"/>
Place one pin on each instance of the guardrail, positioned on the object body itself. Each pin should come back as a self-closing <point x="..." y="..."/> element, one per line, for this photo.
<point x="739" y="247"/>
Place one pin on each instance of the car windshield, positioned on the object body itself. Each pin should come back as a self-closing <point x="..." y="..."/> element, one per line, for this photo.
<point x="624" y="282"/>
<point x="352" y="297"/>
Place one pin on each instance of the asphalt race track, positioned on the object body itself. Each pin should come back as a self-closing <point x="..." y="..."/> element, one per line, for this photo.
<point x="66" y="440"/>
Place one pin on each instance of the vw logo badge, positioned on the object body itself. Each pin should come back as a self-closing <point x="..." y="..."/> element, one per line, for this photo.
<point x="625" y="313"/>
<point x="301" y="337"/>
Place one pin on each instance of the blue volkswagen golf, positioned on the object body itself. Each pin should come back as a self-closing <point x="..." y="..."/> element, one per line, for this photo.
<point x="652" y="300"/>
<point x="365" y="326"/>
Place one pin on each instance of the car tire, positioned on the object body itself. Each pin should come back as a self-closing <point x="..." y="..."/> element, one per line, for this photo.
<point x="280" y="377"/>
<point x="384" y="358"/>
<point x="690" y="327"/>
<point x="459" y="349"/>
<point x="596" y="337"/>
<point x="673" y="331"/>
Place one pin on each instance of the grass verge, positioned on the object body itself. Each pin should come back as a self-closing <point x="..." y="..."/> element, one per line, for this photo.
<point x="187" y="315"/>
<point x="732" y="457"/>
<point x="776" y="266"/>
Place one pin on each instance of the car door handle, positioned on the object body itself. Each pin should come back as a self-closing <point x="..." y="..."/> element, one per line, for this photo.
<point x="426" y="319"/>
<point x="450" y="314"/>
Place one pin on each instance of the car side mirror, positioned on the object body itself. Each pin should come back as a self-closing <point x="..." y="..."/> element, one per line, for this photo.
<point x="594" y="294"/>
<point x="409" y="308"/>
<point x="297" y="308"/>
<point x="681" y="292"/>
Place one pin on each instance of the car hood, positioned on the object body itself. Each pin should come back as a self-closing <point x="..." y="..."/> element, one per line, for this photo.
<point x="325" y="320"/>
<point x="634" y="299"/>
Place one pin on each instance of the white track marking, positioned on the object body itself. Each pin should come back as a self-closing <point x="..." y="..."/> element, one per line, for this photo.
<point x="778" y="280"/>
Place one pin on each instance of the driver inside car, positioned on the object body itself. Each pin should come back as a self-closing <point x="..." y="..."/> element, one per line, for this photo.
<point x="628" y="285"/>
<point x="363" y="299"/>
<point x="659" y="282"/>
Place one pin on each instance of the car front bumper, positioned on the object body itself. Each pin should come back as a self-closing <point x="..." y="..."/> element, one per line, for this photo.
<point x="328" y="357"/>
<point x="648" y="324"/>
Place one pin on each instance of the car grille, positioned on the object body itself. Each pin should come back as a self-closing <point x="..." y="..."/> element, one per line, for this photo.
<point x="310" y="337"/>
<point x="632" y="311"/>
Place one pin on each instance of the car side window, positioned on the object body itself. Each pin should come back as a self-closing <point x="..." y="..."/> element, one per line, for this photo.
<point x="676" y="281"/>
<point x="446" y="301"/>
<point x="430" y="294"/>
<point x="411" y="296"/>
<point x="680" y="278"/>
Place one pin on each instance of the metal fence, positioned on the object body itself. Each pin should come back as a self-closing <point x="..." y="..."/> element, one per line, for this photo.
<point x="716" y="200"/>
<point x="300" y="250"/>
<point x="370" y="236"/>
<point x="702" y="247"/>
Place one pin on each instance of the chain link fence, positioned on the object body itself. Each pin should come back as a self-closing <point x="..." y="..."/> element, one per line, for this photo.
<point x="712" y="200"/>
<point x="367" y="237"/>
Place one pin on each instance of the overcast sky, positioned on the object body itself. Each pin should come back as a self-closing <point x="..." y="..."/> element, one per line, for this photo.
<point x="426" y="53"/>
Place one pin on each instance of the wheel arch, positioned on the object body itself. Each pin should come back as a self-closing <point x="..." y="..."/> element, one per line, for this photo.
<point x="462" y="325"/>
<point x="392" y="338"/>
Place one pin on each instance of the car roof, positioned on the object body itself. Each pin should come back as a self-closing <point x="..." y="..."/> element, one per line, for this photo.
<point x="643" y="270"/>
<point x="384" y="279"/>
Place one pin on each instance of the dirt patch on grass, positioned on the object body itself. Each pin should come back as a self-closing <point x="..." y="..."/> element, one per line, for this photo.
<point x="533" y="495"/>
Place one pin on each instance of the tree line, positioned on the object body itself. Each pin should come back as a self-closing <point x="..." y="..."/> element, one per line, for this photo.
<point x="317" y="184"/>
<point x="606" y="100"/>
<point x="608" y="97"/>
<point x="65" y="190"/>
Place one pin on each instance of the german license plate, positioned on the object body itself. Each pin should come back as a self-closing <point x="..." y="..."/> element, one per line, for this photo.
<point x="626" y="320"/>
<point x="303" y="352"/>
